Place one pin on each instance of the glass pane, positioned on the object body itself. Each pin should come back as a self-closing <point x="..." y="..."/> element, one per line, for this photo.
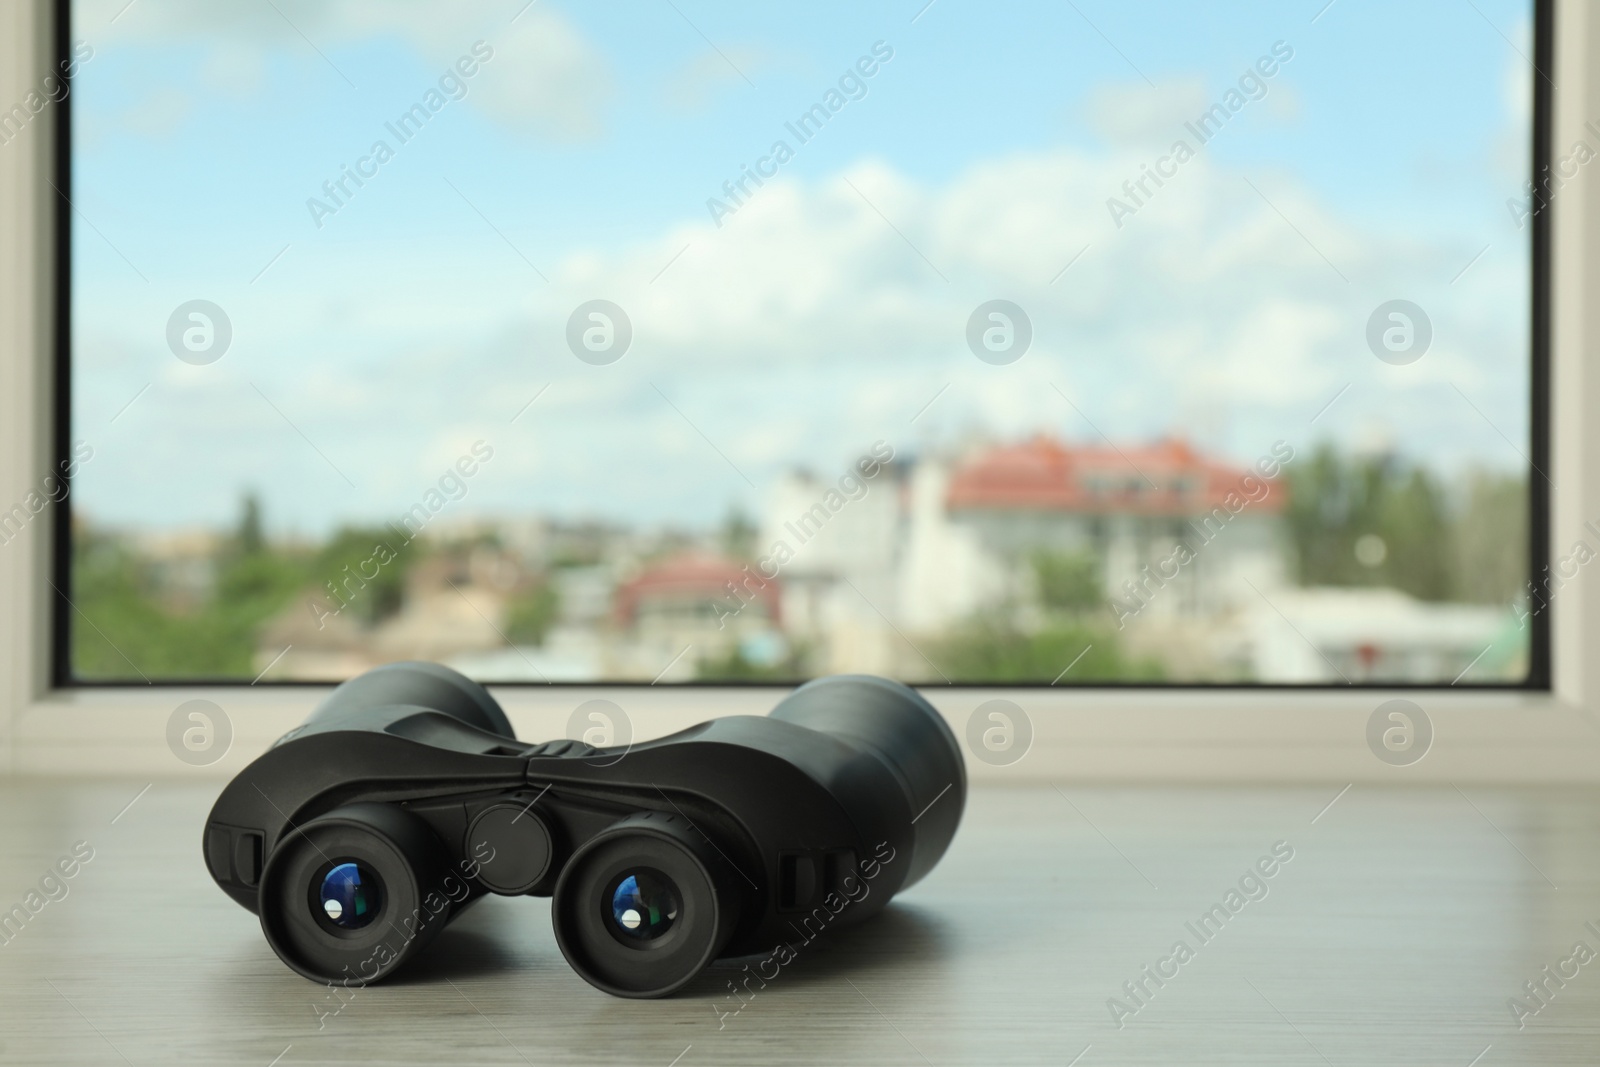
<point x="1162" y="343"/>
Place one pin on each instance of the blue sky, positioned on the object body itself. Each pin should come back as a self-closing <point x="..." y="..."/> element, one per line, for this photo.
<point x="825" y="315"/>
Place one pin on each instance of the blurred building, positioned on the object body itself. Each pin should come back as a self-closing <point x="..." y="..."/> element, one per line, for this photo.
<point x="1126" y="511"/>
<point x="453" y="603"/>
<point x="836" y="545"/>
<point x="691" y="606"/>
<point x="1334" y="636"/>
<point x="1183" y="555"/>
<point x="933" y="542"/>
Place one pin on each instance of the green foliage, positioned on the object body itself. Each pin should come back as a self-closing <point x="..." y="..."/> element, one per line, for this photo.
<point x="120" y="630"/>
<point x="578" y="554"/>
<point x="739" y="535"/>
<point x="1335" y="501"/>
<point x="993" y="650"/>
<point x="352" y="555"/>
<point x="1492" y="539"/>
<point x="250" y="537"/>
<point x="1068" y="581"/>
<point x="123" y="627"/>
<point x="734" y="667"/>
<point x="530" y="616"/>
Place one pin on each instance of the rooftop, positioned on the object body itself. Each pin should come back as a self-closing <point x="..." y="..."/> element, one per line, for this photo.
<point x="1167" y="477"/>
<point x="693" y="575"/>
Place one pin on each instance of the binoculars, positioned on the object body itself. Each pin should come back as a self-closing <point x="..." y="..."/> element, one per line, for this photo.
<point x="405" y="797"/>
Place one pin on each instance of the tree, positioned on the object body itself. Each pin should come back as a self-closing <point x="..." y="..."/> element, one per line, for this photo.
<point x="250" y="537"/>
<point x="121" y="630"/>
<point x="1069" y="581"/>
<point x="1492" y="539"/>
<point x="991" y="649"/>
<point x="739" y="534"/>
<point x="1418" y="535"/>
<point x="1370" y="521"/>
<point x="530" y="616"/>
<point x="367" y="567"/>
<point x="735" y="666"/>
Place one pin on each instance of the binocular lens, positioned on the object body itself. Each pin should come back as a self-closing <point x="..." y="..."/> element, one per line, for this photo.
<point x="355" y="893"/>
<point x="644" y="905"/>
<point x="350" y="896"/>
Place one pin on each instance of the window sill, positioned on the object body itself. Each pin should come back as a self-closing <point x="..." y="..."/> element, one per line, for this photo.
<point x="1079" y="735"/>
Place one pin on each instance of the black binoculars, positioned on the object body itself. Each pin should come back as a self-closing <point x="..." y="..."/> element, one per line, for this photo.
<point x="406" y="796"/>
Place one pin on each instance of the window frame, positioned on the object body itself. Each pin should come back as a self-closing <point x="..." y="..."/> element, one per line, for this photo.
<point x="52" y="718"/>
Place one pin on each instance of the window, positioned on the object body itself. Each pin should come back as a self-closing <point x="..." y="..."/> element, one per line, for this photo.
<point x="1079" y="344"/>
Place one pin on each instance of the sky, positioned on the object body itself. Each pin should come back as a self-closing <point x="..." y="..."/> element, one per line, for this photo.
<point x="373" y="344"/>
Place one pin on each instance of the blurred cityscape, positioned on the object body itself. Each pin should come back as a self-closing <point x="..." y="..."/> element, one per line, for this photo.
<point x="1031" y="561"/>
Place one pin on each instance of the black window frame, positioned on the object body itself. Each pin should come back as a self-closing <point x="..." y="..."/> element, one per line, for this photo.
<point x="1539" y="678"/>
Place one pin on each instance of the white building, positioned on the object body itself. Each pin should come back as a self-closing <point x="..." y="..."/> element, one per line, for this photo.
<point x="928" y="544"/>
<point x="1333" y="636"/>
<point x="836" y="547"/>
<point x="1128" y="511"/>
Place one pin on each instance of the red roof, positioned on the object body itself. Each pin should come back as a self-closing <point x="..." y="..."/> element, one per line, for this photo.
<point x="696" y="576"/>
<point x="1167" y="478"/>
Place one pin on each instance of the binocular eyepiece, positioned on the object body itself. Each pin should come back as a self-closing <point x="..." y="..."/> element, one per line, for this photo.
<point x="406" y="796"/>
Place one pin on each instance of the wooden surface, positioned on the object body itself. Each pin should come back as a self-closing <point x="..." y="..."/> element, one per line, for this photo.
<point x="1395" y="935"/>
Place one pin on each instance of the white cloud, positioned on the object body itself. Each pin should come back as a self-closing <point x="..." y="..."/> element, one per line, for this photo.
<point x="808" y="326"/>
<point x="693" y="86"/>
<point x="546" y="78"/>
<point x="1139" y="114"/>
<point x="238" y="70"/>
